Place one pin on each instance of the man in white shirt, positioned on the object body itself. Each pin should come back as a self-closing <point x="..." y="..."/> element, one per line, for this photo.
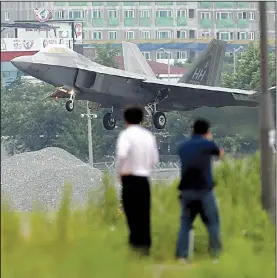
<point x="136" y="155"/>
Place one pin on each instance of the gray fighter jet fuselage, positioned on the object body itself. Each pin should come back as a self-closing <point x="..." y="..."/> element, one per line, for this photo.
<point x="77" y="77"/>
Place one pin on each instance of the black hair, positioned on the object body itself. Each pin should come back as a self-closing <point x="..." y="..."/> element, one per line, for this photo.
<point x="201" y="127"/>
<point x="133" y="115"/>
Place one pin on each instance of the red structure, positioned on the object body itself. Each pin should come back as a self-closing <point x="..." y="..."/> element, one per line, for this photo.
<point x="158" y="68"/>
<point x="7" y="56"/>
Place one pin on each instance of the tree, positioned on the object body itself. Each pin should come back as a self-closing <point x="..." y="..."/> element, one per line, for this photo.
<point x="182" y="65"/>
<point x="105" y="55"/>
<point x="247" y="74"/>
<point x="242" y="120"/>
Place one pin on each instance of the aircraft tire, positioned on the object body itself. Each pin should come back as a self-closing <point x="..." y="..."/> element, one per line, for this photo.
<point x="108" y="121"/>
<point x="159" y="120"/>
<point x="69" y="105"/>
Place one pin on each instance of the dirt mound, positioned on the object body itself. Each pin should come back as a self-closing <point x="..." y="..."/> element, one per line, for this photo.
<point x="40" y="176"/>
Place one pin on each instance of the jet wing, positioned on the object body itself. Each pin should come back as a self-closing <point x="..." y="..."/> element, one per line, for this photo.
<point x="185" y="97"/>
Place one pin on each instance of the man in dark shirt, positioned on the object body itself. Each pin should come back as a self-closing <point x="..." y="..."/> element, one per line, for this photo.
<point x="196" y="188"/>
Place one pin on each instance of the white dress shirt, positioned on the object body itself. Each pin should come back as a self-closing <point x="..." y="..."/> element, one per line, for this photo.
<point x="136" y="151"/>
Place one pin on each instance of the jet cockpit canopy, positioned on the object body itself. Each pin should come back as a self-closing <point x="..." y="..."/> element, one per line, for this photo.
<point x="57" y="49"/>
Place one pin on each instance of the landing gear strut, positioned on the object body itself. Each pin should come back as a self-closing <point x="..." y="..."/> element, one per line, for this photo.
<point x="159" y="118"/>
<point x="109" y="121"/>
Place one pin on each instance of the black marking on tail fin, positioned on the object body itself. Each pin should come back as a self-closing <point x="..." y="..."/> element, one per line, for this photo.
<point x="206" y="70"/>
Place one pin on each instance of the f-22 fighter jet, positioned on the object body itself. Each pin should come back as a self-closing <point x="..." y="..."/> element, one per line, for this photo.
<point x="78" y="78"/>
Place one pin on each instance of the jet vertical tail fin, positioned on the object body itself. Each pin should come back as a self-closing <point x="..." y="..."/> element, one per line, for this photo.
<point x="134" y="61"/>
<point x="206" y="70"/>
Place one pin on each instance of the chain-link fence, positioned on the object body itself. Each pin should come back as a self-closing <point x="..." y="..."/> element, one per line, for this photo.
<point x="165" y="171"/>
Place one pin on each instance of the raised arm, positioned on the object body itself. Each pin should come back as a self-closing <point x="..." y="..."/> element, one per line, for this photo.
<point x="215" y="150"/>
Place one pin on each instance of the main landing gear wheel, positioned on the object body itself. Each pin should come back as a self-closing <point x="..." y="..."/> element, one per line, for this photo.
<point x="159" y="120"/>
<point x="69" y="105"/>
<point x="109" y="121"/>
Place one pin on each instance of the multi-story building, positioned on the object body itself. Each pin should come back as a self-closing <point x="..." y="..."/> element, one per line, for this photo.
<point x="183" y="28"/>
<point x="153" y="20"/>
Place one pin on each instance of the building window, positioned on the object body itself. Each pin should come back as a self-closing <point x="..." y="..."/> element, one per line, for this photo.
<point x="146" y="55"/>
<point x="191" y="34"/>
<point x="191" y="13"/>
<point x="112" y="35"/>
<point x="182" y="55"/>
<point x="225" y="36"/>
<point x="7" y="16"/>
<point x="251" y="16"/>
<point x="97" y="35"/>
<point x="5" y="74"/>
<point x="181" y="13"/>
<point x="96" y="14"/>
<point x="163" y="34"/>
<point x="112" y="14"/>
<point x="205" y="34"/>
<point x="228" y="54"/>
<point x="59" y="14"/>
<point x="251" y="36"/>
<point x="163" y="13"/>
<point x="84" y="34"/>
<point x="181" y="34"/>
<point x="242" y="15"/>
<point x="205" y="15"/>
<point x="77" y="14"/>
<point x="161" y="55"/>
<point x="145" y="34"/>
<point x="63" y="34"/>
<point x="129" y="14"/>
<point x="129" y="35"/>
<point x="242" y="36"/>
<point x="224" y="15"/>
<point x="144" y="13"/>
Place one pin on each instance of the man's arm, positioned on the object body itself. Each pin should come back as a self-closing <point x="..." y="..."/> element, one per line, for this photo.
<point x="155" y="153"/>
<point x="215" y="150"/>
<point x="122" y="148"/>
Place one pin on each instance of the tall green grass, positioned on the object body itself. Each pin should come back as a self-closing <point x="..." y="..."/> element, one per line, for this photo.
<point x="93" y="242"/>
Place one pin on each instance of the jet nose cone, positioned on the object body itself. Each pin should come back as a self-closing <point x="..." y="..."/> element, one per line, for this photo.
<point x="22" y="63"/>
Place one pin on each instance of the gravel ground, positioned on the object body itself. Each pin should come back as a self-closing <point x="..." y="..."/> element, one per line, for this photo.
<point x="39" y="176"/>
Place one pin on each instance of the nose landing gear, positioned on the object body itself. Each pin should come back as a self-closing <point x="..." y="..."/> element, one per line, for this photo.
<point x="70" y="103"/>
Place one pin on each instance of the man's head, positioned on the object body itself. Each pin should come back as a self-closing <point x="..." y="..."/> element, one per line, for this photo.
<point x="202" y="127"/>
<point x="133" y="115"/>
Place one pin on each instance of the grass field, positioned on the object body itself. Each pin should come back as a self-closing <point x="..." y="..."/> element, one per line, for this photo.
<point x="93" y="243"/>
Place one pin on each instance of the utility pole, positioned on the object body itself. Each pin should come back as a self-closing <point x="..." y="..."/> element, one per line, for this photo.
<point x="266" y="123"/>
<point x="168" y="62"/>
<point x="235" y="50"/>
<point x="89" y="117"/>
<point x="90" y="150"/>
<point x="168" y="66"/>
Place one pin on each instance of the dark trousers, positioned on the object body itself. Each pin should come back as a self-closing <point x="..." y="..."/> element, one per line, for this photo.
<point x="136" y="205"/>
<point x="194" y="203"/>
